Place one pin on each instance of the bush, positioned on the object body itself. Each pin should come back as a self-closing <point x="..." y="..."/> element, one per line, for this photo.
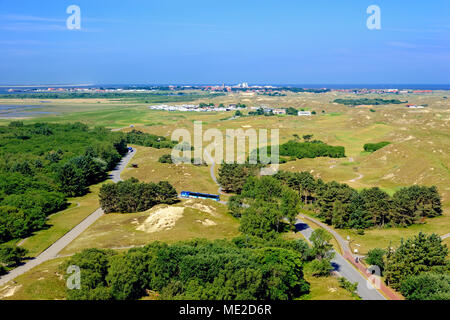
<point x="347" y="285"/>
<point x="11" y="255"/>
<point x="320" y="268"/>
<point x="426" y="286"/>
<point x="165" y="158"/>
<point x="375" y="257"/>
<point x="372" y="147"/>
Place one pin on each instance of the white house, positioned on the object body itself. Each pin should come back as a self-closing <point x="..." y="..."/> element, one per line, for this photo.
<point x="304" y="113"/>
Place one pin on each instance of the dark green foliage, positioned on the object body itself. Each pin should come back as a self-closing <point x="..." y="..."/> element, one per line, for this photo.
<point x="344" y="207"/>
<point x="2" y="270"/>
<point x="132" y="196"/>
<point x="11" y="255"/>
<point x="322" y="248"/>
<point x="232" y="177"/>
<point x="415" y="202"/>
<point x="422" y="253"/>
<point x="366" y="101"/>
<point x="165" y="158"/>
<point x="149" y="140"/>
<point x="321" y="268"/>
<point x="347" y="285"/>
<point x="311" y="149"/>
<point x="372" y="147"/>
<point x="197" y="269"/>
<point x="376" y="257"/>
<point x="291" y="111"/>
<point x="43" y="163"/>
<point x="426" y="286"/>
<point x="93" y="264"/>
<point x="238" y="113"/>
<point x="268" y="203"/>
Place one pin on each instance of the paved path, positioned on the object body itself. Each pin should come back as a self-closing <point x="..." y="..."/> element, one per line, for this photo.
<point x="52" y="251"/>
<point x="445" y="236"/>
<point x="343" y="268"/>
<point x="350" y="261"/>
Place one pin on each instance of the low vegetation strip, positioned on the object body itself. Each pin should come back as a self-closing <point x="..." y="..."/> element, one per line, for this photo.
<point x="372" y="147"/>
<point x="367" y="101"/>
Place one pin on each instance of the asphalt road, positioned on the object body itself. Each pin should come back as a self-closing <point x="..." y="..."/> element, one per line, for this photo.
<point x="52" y="251"/>
<point x="341" y="266"/>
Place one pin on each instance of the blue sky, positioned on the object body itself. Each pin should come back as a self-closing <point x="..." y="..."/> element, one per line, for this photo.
<point x="196" y="41"/>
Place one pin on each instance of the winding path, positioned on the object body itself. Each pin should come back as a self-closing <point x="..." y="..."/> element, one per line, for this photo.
<point x="52" y="251"/>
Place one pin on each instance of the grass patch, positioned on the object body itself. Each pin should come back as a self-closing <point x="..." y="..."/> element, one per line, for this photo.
<point x="117" y="230"/>
<point x="325" y="288"/>
<point x="62" y="222"/>
<point x="40" y="283"/>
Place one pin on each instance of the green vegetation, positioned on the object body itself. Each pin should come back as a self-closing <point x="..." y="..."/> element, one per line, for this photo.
<point x="344" y="207"/>
<point x="422" y="253"/>
<point x="245" y="268"/>
<point x="322" y="252"/>
<point x="427" y="286"/>
<point x="347" y="285"/>
<point x="232" y="177"/>
<point x="154" y="97"/>
<point x="372" y="147"/>
<point x="366" y="101"/>
<point x="132" y="196"/>
<point x="311" y="149"/>
<point x="165" y="158"/>
<point x="41" y="164"/>
<point x="268" y="204"/>
<point x="375" y="257"/>
<point x="149" y="140"/>
<point x="11" y="255"/>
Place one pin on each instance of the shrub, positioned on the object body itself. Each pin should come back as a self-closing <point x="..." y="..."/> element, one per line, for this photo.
<point x="426" y="286"/>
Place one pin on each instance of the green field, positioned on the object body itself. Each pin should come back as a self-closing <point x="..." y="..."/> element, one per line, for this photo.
<point x="418" y="154"/>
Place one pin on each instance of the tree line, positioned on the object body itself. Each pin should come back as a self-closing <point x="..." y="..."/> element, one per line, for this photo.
<point x="335" y="203"/>
<point x="41" y="164"/>
<point x="367" y="101"/>
<point x="134" y="196"/>
<point x="342" y="206"/>
<point x="245" y="268"/>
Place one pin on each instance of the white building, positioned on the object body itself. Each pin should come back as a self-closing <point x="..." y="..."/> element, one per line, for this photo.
<point x="304" y="113"/>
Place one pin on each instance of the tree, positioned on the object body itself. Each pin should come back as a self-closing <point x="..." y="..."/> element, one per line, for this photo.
<point x="11" y="255"/>
<point x="93" y="264"/>
<point x="420" y="253"/>
<point x="320" y="268"/>
<point x="238" y="113"/>
<point x="375" y="257"/>
<point x="378" y="204"/>
<point x="232" y="177"/>
<point x="426" y="286"/>
<point x="321" y="249"/>
<point x="412" y="203"/>
<point x="307" y="137"/>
